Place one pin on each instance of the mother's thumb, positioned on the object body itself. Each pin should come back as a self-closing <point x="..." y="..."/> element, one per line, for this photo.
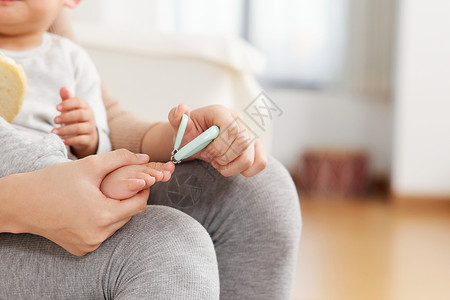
<point x="108" y="162"/>
<point x="176" y="113"/>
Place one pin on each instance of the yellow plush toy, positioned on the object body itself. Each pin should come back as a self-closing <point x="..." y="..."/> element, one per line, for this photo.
<point x="13" y="84"/>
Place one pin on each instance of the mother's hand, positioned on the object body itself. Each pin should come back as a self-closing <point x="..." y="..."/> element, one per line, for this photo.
<point x="235" y="151"/>
<point x="64" y="204"/>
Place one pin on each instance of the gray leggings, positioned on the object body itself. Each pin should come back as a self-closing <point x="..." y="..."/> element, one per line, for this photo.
<point x="250" y="245"/>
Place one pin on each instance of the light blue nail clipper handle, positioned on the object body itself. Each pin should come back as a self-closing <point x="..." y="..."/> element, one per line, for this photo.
<point x="195" y="145"/>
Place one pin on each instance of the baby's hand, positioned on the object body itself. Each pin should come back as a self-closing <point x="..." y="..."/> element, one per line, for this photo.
<point x="126" y="182"/>
<point x="79" y="129"/>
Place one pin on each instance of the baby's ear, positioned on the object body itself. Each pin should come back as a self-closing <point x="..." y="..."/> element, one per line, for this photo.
<point x="71" y="3"/>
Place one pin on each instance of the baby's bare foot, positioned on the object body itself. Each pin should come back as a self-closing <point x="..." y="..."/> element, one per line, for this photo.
<point x="126" y="182"/>
<point x="161" y="172"/>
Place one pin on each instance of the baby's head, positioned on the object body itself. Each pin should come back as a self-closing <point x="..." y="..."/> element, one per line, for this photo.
<point x="18" y="17"/>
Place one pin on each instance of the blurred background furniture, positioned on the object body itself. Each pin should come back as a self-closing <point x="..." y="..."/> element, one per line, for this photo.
<point x="333" y="172"/>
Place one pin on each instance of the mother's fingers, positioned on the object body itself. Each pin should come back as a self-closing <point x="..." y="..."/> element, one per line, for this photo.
<point x="240" y="164"/>
<point x="249" y="163"/>
<point x="92" y="243"/>
<point x="176" y="113"/>
<point x="129" y="207"/>
<point x="244" y="140"/>
<point x="260" y="161"/>
<point x="233" y="140"/>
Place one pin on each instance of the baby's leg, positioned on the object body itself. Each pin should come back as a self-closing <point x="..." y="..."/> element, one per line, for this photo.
<point x="19" y="155"/>
<point x="126" y="182"/>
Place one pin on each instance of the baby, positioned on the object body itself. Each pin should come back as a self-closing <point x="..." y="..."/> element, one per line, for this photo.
<point x="55" y="68"/>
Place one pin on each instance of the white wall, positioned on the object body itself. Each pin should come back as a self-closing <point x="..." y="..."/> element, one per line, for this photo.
<point x="319" y="119"/>
<point x="421" y="164"/>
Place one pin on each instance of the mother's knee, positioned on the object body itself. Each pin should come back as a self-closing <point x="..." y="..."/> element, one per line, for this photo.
<point x="170" y="229"/>
<point x="169" y="253"/>
<point x="269" y="199"/>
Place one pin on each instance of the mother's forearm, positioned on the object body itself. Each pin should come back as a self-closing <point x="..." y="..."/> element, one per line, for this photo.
<point x="158" y="142"/>
<point x="10" y="200"/>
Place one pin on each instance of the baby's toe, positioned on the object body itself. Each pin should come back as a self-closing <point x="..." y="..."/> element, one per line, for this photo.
<point x="136" y="184"/>
<point x="149" y="180"/>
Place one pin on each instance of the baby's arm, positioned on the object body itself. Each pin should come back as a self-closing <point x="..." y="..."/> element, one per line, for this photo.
<point x="18" y="154"/>
<point x="126" y="182"/>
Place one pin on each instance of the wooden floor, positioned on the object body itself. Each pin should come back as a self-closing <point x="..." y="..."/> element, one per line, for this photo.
<point x="371" y="249"/>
